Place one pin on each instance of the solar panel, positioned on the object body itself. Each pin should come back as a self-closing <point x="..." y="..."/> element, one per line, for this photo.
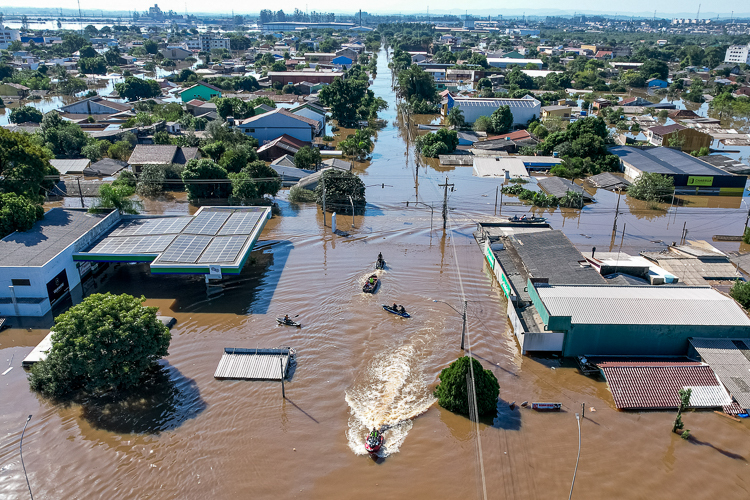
<point x="185" y="248"/>
<point x="223" y="249"/>
<point x="133" y="244"/>
<point x="241" y="222"/>
<point x="161" y="225"/>
<point x="207" y="222"/>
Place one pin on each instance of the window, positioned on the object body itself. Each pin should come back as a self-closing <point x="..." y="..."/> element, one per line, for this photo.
<point x="21" y="282"/>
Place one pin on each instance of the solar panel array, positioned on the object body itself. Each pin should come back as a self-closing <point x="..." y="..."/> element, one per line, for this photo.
<point x="214" y="235"/>
<point x="186" y="248"/>
<point x="162" y="225"/>
<point x="133" y="244"/>
<point x="223" y="249"/>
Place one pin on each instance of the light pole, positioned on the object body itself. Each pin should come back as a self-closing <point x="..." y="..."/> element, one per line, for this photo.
<point x="463" y="315"/>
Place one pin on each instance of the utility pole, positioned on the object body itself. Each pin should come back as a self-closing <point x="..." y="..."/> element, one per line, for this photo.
<point x="445" y="201"/>
<point x="80" y="192"/>
<point x="617" y="211"/>
<point x="281" y="362"/>
<point x="747" y="220"/>
<point x="496" y="190"/>
<point x="324" y="200"/>
<point x="463" y="330"/>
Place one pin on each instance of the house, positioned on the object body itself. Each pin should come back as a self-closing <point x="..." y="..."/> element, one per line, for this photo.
<point x="71" y="166"/>
<point x="175" y="53"/>
<point x="601" y="103"/>
<point x="603" y="54"/>
<point x="347" y="52"/>
<point x="342" y="61"/>
<point x="436" y="73"/>
<point x="734" y="69"/>
<point x="307" y="88"/>
<point x="280" y="146"/>
<point x="106" y="167"/>
<point x="174" y="128"/>
<point x="273" y="124"/>
<point x="742" y="91"/>
<point x="504" y="62"/>
<point x="94" y="106"/>
<point x="290" y="175"/>
<point x="200" y="90"/>
<point x="657" y="83"/>
<point x="312" y="111"/>
<point x="555" y="111"/>
<point x="294" y="77"/>
<point x="160" y="154"/>
<point x="634" y="101"/>
<point x="683" y="114"/>
<point x="524" y="109"/>
<point x="693" y="139"/>
<point x="14" y="89"/>
<point x="197" y="107"/>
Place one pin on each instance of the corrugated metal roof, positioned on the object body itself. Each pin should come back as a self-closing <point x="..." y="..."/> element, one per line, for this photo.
<point x="645" y="386"/>
<point x="730" y="359"/>
<point x="496" y="103"/>
<point x="253" y="364"/>
<point x="648" y="305"/>
<point x="665" y="161"/>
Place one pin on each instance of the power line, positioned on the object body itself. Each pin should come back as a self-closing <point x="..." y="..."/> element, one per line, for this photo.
<point x="575" y="471"/>
<point x="22" y="464"/>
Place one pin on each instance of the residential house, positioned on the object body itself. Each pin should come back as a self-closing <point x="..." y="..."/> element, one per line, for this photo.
<point x="657" y="83"/>
<point x="273" y="124"/>
<point x="556" y="111"/>
<point x="280" y="146"/>
<point x="160" y="154"/>
<point x="95" y="106"/>
<point x="200" y="90"/>
<point x="683" y="114"/>
<point x="601" y="103"/>
<point x="14" y="90"/>
<point x="175" y="53"/>
<point x="693" y="139"/>
<point x="505" y="62"/>
<point x="437" y="74"/>
<point x="294" y="77"/>
<point x="634" y="101"/>
<point x="312" y="111"/>
<point x="342" y="61"/>
<point x="347" y="52"/>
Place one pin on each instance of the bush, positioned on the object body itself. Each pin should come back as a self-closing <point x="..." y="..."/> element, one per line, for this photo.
<point x="126" y="178"/>
<point x="118" y="197"/>
<point x="339" y="186"/>
<point x="436" y="143"/>
<point x="26" y="114"/>
<point x="106" y="342"/>
<point x="151" y="181"/>
<point x="205" y="169"/>
<point x="120" y="150"/>
<point x="18" y="213"/>
<point x="740" y="292"/>
<point x="299" y="194"/>
<point x="482" y="124"/>
<point x="652" y="187"/>
<point x="307" y="157"/>
<point x="452" y="392"/>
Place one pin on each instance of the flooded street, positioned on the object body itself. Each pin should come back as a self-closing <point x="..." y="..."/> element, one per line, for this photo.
<point x="190" y="436"/>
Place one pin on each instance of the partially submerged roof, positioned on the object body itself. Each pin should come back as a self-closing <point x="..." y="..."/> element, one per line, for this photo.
<point x="730" y="360"/>
<point x="665" y="161"/>
<point x="153" y="154"/>
<point x="105" y="167"/>
<point x="666" y="129"/>
<point x="74" y="166"/>
<point x="608" y="180"/>
<point x="727" y="164"/>
<point x="59" y="228"/>
<point x="557" y="186"/>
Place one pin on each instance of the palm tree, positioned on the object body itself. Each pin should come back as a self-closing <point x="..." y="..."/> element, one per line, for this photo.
<point x="455" y="118"/>
<point x="358" y="145"/>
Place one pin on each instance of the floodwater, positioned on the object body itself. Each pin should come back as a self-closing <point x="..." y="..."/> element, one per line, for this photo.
<point x="190" y="436"/>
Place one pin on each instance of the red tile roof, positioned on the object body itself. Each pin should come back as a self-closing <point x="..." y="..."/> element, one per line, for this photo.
<point x="655" y="385"/>
<point x="288" y="140"/>
<point x="513" y="136"/>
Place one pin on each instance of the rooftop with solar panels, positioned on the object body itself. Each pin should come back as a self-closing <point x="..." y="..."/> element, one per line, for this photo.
<point x="214" y="236"/>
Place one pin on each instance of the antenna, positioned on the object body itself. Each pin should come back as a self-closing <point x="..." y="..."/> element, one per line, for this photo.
<point x="699" y="13"/>
<point x="80" y="17"/>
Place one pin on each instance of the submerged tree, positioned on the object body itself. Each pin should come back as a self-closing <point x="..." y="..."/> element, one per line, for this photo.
<point x="452" y="391"/>
<point x="677" y="426"/>
<point x="341" y="189"/>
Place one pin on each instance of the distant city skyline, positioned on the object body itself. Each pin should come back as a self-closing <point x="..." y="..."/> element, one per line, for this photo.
<point x="667" y="9"/>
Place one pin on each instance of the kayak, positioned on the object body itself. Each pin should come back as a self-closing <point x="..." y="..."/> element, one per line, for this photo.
<point x="281" y="321"/>
<point x="390" y="310"/>
<point x="368" y="288"/>
<point x="372" y="445"/>
<point x="380" y="264"/>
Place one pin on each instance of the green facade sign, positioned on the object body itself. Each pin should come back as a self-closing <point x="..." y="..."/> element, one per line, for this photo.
<point x="700" y="180"/>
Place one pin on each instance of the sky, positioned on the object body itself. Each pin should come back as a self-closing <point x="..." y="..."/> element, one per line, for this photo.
<point x="665" y="8"/>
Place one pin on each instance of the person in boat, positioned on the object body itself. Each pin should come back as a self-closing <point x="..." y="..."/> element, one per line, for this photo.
<point x="401" y="309"/>
<point x="371" y="280"/>
<point x="380" y="257"/>
<point x="524" y="217"/>
<point x="286" y="319"/>
<point x="374" y="434"/>
<point x="395" y="307"/>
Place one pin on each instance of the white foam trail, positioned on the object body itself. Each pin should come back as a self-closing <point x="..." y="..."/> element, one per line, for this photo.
<point x="390" y="394"/>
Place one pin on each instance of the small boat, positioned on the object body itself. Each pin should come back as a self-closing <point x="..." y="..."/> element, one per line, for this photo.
<point x="370" y="288"/>
<point x="392" y="311"/>
<point x="380" y="264"/>
<point x="516" y="218"/>
<point x="546" y="406"/>
<point x="284" y="322"/>
<point x="373" y="444"/>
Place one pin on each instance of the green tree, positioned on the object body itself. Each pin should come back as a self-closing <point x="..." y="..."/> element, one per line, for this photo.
<point x="677" y="426"/>
<point x="26" y="114"/>
<point x="416" y="83"/>
<point x="652" y="187"/>
<point x="233" y="106"/>
<point x="117" y="197"/>
<point x="106" y="342"/>
<point x="358" y="145"/>
<point x="307" y="157"/>
<point x="452" y="391"/>
<point x="151" y="46"/>
<point x="87" y="52"/>
<point x="18" y="213"/>
<point x="455" y="118"/>
<point x="201" y="172"/>
<point x="134" y="88"/>
<point x="23" y="164"/>
<point x="95" y="150"/>
<point x="244" y="188"/>
<point x="340" y="186"/>
<point x="501" y="120"/>
<point x="151" y="181"/>
<point x="437" y="143"/>
<point x="214" y="149"/>
<point x="92" y="65"/>
<point x="482" y="124"/>
<point x="266" y="179"/>
<point x="654" y="69"/>
<point x="349" y="100"/>
<point x="740" y="290"/>
<point x="278" y="66"/>
<point x="120" y="150"/>
<point x="162" y="137"/>
<point x="112" y="56"/>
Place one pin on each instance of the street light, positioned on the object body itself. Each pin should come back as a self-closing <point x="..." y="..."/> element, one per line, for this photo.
<point x="463" y="315"/>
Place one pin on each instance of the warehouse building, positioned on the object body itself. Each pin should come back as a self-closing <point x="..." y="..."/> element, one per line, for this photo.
<point x="635" y="320"/>
<point x="523" y="110"/>
<point x="691" y="175"/>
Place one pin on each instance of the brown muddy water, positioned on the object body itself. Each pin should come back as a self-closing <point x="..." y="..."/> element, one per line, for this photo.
<point x="189" y="436"/>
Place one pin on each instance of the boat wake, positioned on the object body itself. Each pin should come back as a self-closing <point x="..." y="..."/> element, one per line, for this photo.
<point x="388" y="395"/>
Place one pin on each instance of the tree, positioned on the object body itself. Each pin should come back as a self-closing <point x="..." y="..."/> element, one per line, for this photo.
<point x="358" y="145"/>
<point x="134" y="88"/>
<point x="151" y="181"/>
<point x="340" y="186"/>
<point x="92" y="65"/>
<point x="652" y="187"/>
<point x="26" y="114"/>
<point x="151" y="46"/>
<point x="266" y="179"/>
<point x="416" y="83"/>
<point x="201" y="171"/>
<point x="95" y="150"/>
<point x="112" y="56"/>
<point x="278" y="66"/>
<point x="501" y="120"/>
<point x="349" y="100"/>
<point x="87" y="52"/>
<point x="23" y="164"/>
<point x="244" y="188"/>
<point x="18" y="213"/>
<point x="437" y="143"/>
<point x="518" y="77"/>
<point x="452" y="391"/>
<point x="307" y="157"/>
<point x="653" y="68"/>
<point x="677" y="426"/>
<point x="106" y="342"/>
<point x="740" y="290"/>
<point x="455" y="118"/>
<point x="120" y="150"/>
<point x="118" y="197"/>
<point x="233" y="106"/>
<point x="162" y="137"/>
<point x="482" y="124"/>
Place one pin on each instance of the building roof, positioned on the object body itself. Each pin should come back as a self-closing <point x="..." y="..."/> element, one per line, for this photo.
<point x="557" y="186"/>
<point x="284" y="112"/>
<point x="683" y="113"/>
<point x="285" y="142"/>
<point x="105" y="167"/>
<point x="104" y="102"/>
<point x="665" y="161"/>
<point x="202" y="84"/>
<point x="153" y="154"/>
<point x="337" y="163"/>
<point x="74" y="166"/>
<point x="608" y="180"/>
<point x="516" y="135"/>
<point x="494" y="102"/>
<point x="59" y="228"/>
<point x="651" y="305"/>
<point x="666" y="129"/>
<point x="551" y="255"/>
<point x="306" y="73"/>
<point x="727" y="164"/>
<point x="196" y="102"/>
<point x="646" y="385"/>
<point x="729" y="360"/>
<point x="185" y="154"/>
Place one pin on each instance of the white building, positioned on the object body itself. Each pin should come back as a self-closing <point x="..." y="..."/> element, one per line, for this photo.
<point x="7" y="37"/>
<point x="738" y="54"/>
<point x="524" y="109"/>
<point x="207" y="42"/>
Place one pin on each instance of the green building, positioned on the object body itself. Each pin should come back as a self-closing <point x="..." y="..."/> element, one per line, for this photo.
<point x="201" y="90"/>
<point x="635" y="320"/>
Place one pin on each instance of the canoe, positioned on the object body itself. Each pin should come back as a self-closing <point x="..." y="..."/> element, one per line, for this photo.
<point x="546" y="406"/>
<point x="368" y="288"/>
<point x="288" y="323"/>
<point x="390" y="310"/>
